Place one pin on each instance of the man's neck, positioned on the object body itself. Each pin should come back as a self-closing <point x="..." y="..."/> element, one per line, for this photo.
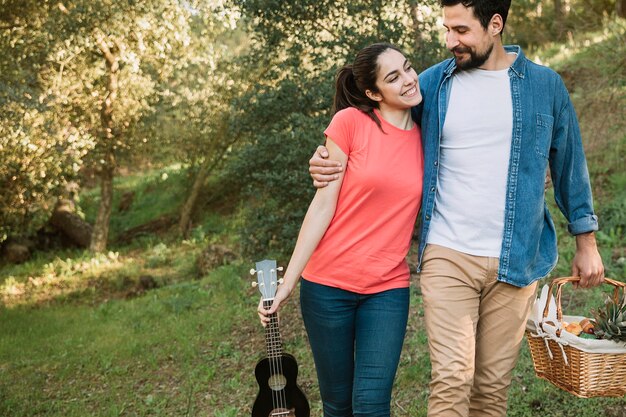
<point x="499" y="59"/>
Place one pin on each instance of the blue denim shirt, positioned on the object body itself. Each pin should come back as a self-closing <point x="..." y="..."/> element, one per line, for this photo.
<point x="545" y="132"/>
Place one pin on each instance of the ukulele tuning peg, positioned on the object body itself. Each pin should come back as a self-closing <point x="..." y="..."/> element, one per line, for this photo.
<point x="254" y="283"/>
<point x="280" y="281"/>
<point x="280" y="268"/>
<point x="252" y="271"/>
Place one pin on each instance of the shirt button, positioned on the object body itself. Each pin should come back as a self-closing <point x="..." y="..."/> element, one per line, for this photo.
<point x="432" y="188"/>
<point x="436" y="163"/>
<point x="427" y="217"/>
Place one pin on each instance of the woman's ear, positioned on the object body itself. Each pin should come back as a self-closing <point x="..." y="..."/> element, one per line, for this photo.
<point x="373" y="96"/>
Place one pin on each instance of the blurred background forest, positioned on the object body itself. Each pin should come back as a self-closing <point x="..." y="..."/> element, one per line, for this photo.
<point x="153" y="150"/>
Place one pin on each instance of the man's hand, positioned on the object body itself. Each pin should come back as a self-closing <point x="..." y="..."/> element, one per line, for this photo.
<point x="587" y="263"/>
<point x="323" y="170"/>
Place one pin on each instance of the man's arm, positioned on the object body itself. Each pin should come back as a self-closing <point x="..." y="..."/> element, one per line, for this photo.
<point x="322" y="169"/>
<point x="572" y="192"/>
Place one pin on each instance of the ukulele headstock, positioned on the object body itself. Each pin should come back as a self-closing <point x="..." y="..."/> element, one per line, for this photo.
<point x="267" y="278"/>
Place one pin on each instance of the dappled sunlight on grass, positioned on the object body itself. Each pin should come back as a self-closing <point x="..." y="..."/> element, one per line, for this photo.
<point x="59" y="277"/>
<point x="90" y="278"/>
<point x="558" y="52"/>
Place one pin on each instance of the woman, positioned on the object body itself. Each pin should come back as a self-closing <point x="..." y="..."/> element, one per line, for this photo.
<point x="356" y="234"/>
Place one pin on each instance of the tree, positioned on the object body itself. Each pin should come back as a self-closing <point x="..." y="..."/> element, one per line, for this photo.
<point x="41" y="150"/>
<point x="104" y="68"/>
<point x="203" y="94"/>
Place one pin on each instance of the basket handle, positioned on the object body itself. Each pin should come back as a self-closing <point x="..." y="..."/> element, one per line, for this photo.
<point x="559" y="282"/>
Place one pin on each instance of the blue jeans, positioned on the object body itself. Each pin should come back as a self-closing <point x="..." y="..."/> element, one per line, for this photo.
<point x="356" y="341"/>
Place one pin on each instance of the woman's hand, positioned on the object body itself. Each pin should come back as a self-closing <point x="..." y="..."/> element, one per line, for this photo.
<point x="282" y="294"/>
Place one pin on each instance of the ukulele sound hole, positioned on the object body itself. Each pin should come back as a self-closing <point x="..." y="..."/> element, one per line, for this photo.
<point x="277" y="382"/>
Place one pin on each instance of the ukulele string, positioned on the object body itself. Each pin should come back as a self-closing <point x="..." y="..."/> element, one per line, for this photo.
<point x="269" y="340"/>
<point x="276" y="399"/>
<point x="279" y="353"/>
<point x="267" y="304"/>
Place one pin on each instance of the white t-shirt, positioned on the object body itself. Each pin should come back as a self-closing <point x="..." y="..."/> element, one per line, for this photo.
<point x="473" y="165"/>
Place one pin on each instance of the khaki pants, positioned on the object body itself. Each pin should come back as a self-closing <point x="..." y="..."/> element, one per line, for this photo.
<point x="475" y="327"/>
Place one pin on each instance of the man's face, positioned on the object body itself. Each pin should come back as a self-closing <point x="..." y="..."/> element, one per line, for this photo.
<point x="465" y="37"/>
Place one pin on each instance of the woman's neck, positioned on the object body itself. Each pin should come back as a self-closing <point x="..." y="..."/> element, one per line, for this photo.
<point x="400" y="118"/>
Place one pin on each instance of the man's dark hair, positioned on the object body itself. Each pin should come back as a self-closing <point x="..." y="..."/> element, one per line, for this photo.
<point x="483" y="9"/>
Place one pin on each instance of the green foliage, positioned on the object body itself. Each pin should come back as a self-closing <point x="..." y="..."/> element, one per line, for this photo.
<point x="533" y="23"/>
<point x="276" y="185"/>
<point x="191" y="117"/>
<point x="613" y="225"/>
<point x="38" y="160"/>
<point x="40" y="150"/>
<point x="611" y="319"/>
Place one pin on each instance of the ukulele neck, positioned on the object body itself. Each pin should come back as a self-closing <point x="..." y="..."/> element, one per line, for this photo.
<point x="272" y="334"/>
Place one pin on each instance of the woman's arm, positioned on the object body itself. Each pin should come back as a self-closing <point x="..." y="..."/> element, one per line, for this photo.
<point x="316" y="221"/>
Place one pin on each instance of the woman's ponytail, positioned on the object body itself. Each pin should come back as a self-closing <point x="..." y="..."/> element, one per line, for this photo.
<point x="347" y="93"/>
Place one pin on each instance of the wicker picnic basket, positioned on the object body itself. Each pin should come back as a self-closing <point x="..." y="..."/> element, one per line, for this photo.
<point x="591" y="372"/>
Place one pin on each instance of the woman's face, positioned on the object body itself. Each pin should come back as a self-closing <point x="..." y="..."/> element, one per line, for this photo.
<point x="397" y="82"/>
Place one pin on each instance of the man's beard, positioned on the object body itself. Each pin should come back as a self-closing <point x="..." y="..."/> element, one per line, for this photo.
<point x="475" y="59"/>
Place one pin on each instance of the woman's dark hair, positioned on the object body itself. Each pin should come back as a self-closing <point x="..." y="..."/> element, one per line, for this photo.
<point x="483" y="9"/>
<point x="353" y="80"/>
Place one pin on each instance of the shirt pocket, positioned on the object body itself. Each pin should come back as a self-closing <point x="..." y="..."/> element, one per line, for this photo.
<point x="543" y="136"/>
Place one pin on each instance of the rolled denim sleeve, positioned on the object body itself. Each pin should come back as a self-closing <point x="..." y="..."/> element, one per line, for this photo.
<point x="568" y="167"/>
<point x="583" y="225"/>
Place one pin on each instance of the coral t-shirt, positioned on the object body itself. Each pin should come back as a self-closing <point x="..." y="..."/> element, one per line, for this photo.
<point x="366" y="243"/>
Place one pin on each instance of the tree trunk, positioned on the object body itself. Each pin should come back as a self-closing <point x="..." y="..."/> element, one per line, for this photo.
<point x="101" y="228"/>
<point x="620" y="8"/>
<point x="100" y="234"/>
<point x="559" y="19"/>
<point x="415" y="24"/>
<point x="187" y="210"/>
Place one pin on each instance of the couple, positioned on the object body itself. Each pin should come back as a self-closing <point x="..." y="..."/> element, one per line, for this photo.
<point x="492" y="123"/>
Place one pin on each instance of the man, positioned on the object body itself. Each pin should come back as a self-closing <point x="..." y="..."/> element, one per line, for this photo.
<point x="492" y="123"/>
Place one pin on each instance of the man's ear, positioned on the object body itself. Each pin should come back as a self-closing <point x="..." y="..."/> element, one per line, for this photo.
<point x="495" y="25"/>
<point x="373" y="96"/>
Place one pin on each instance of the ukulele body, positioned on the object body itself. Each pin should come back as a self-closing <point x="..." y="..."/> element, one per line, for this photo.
<point x="279" y="387"/>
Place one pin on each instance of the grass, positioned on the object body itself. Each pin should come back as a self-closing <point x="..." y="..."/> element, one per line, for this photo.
<point x="189" y="349"/>
<point x="159" y="354"/>
<point x="80" y="335"/>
